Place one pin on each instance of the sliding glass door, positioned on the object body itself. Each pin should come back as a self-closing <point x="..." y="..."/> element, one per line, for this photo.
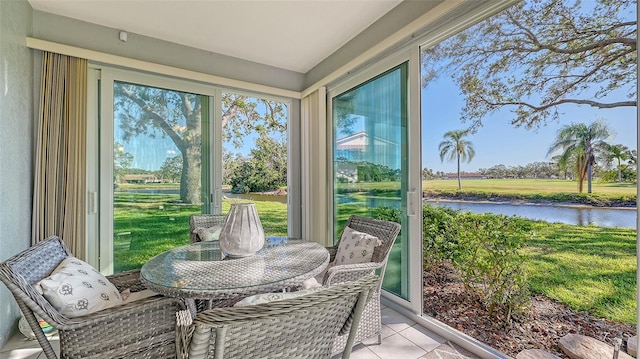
<point x="154" y="166"/>
<point x="370" y="160"/>
<point x="164" y="149"/>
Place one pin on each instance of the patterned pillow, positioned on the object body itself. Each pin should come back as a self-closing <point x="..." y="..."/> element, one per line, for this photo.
<point x="355" y="247"/>
<point x="273" y="297"/>
<point x="208" y="234"/>
<point x="75" y="289"/>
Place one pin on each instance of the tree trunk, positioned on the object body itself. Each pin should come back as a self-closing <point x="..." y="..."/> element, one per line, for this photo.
<point x="459" y="183"/>
<point x="619" y="171"/>
<point x="589" y="177"/>
<point x="190" y="179"/>
<point x="581" y="172"/>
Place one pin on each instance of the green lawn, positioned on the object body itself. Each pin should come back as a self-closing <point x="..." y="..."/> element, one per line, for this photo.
<point x="500" y="186"/>
<point x="148" y="224"/>
<point x="530" y="186"/>
<point x="588" y="268"/>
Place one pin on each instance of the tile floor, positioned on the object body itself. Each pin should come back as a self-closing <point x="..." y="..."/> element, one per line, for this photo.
<point x="402" y="338"/>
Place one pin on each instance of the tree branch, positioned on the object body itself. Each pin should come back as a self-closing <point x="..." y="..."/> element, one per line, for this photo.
<point x="157" y="119"/>
<point x="631" y="42"/>
<point x="591" y="103"/>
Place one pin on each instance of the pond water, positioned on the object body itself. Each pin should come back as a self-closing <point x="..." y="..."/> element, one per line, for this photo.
<point x="574" y="215"/>
<point x="150" y="191"/>
<point x="581" y="216"/>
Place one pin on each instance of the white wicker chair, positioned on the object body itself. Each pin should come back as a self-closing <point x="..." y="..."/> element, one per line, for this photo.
<point x="203" y="221"/>
<point x="387" y="232"/>
<point x="304" y="327"/>
<point x="141" y="329"/>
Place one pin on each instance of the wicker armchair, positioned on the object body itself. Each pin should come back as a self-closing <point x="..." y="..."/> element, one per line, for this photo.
<point x="387" y="232"/>
<point x="203" y="221"/>
<point x="139" y="329"/>
<point x="301" y="327"/>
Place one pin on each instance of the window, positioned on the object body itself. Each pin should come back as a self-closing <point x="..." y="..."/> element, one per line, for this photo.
<point x="508" y="131"/>
<point x="255" y="156"/>
<point x="370" y="162"/>
<point x="168" y="149"/>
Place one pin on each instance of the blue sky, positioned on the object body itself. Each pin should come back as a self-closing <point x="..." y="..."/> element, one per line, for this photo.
<point x="498" y="142"/>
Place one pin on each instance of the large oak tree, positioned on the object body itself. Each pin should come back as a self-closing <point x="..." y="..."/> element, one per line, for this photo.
<point x="179" y="116"/>
<point x="539" y="55"/>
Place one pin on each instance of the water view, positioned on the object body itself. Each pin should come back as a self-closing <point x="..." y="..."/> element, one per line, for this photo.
<point x="574" y="215"/>
<point x="580" y="216"/>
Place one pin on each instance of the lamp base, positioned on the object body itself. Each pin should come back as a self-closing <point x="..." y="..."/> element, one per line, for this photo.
<point x="236" y="256"/>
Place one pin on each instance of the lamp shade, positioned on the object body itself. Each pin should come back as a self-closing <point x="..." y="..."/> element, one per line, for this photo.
<point x="242" y="234"/>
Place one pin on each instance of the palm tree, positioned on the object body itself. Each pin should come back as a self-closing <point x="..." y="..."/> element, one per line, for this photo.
<point x="454" y="147"/>
<point x="619" y="153"/>
<point x="579" y="143"/>
<point x="562" y="165"/>
<point x="633" y="158"/>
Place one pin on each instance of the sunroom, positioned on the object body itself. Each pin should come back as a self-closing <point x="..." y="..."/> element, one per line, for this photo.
<point x="331" y="91"/>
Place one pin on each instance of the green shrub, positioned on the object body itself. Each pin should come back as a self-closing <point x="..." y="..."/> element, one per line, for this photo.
<point x="439" y="234"/>
<point x="488" y="255"/>
<point x="387" y="214"/>
<point x="485" y="249"/>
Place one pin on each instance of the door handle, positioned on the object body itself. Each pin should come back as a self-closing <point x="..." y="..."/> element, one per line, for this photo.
<point x="93" y="202"/>
<point x="411" y="203"/>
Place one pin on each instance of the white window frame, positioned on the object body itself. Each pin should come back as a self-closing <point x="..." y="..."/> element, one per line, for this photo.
<point x="413" y="271"/>
<point x="100" y="151"/>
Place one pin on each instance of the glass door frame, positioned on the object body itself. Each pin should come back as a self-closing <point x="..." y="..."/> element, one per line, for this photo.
<point x="100" y="151"/>
<point x="105" y="145"/>
<point x="413" y="269"/>
<point x="294" y="213"/>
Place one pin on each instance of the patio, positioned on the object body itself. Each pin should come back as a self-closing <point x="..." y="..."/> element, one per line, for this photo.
<point x="402" y="339"/>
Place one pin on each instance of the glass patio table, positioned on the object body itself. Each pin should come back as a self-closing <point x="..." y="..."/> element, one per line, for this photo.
<point x="201" y="270"/>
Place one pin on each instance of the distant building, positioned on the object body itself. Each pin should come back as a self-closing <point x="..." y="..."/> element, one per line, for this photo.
<point x="465" y="175"/>
<point x="357" y="147"/>
<point x="141" y="178"/>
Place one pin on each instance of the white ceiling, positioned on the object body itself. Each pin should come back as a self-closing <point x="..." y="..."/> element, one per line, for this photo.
<point x="291" y="34"/>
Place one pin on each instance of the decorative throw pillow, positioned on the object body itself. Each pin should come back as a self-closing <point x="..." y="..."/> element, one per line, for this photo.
<point x="208" y="234"/>
<point x="273" y="297"/>
<point x="355" y="247"/>
<point x="75" y="289"/>
<point x="311" y="283"/>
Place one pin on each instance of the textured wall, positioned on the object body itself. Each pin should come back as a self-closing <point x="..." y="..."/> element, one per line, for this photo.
<point x="16" y="141"/>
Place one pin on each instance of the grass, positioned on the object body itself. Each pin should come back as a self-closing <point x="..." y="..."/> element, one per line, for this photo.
<point x="148" y="224"/>
<point x="552" y="190"/>
<point x="530" y="186"/>
<point x="588" y="268"/>
<point x="501" y="186"/>
<point x="603" y="194"/>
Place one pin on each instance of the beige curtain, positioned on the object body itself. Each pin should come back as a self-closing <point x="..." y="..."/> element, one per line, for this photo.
<point x="60" y="175"/>
<point x="314" y="166"/>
